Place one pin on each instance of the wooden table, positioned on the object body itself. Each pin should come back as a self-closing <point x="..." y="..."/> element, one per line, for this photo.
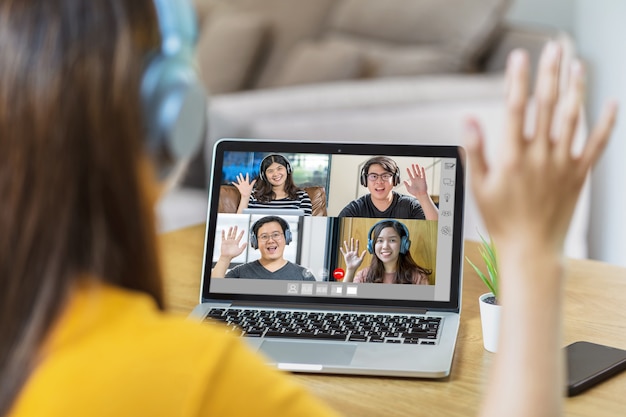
<point x="595" y="310"/>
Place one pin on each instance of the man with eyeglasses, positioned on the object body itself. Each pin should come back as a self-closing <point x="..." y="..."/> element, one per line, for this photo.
<point x="380" y="175"/>
<point x="269" y="235"/>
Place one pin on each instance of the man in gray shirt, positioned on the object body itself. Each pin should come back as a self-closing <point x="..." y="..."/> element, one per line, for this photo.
<point x="269" y="235"/>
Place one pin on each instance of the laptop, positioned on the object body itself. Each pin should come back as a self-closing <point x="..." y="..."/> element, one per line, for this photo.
<point x="315" y="314"/>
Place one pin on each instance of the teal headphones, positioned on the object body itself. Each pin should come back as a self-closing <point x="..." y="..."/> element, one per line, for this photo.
<point x="173" y="98"/>
<point x="405" y="243"/>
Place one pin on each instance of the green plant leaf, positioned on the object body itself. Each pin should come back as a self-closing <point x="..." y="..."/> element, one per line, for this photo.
<point x="488" y="254"/>
<point x="482" y="276"/>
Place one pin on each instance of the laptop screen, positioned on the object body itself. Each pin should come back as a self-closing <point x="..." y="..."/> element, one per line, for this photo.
<point x="335" y="223"/>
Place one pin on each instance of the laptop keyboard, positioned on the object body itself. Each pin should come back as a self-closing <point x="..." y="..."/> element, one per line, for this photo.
<point x="355" y="327"/>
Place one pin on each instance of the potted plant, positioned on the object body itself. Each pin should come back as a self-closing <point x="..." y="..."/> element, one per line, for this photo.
<point x="489" y="308"/>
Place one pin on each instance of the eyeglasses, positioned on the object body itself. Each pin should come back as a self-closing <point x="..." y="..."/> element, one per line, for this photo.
<point x="274" y="236"/>
<point x="374" y="177"/>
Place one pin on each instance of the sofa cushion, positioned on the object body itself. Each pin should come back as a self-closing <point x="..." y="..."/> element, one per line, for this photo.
<point x="315" y="62"/>
<point x="459" y="26"/>
<point x="227" y="50"/>
<point x="290" y="21"/>
<point x="381" y="59"/>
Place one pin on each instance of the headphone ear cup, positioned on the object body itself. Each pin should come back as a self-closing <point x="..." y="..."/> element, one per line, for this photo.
<point x="253" y="240"/>
<point x="405" y="245"/>
<point x="363" y="178"/>
<point x="396" y="178"/>
<point x="370" y="246"/>
<point x="288" y="236"/>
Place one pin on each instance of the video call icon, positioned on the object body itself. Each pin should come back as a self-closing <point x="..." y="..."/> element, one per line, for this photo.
<point x="292" y="288"/>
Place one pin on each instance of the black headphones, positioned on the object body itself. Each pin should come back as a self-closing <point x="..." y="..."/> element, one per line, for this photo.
<point x="379" y="160"/>
<point x="254" y="241"/>
<point x="405" y="243"/>
<point x="173" y="98"/>
<point x="278" y="159"/>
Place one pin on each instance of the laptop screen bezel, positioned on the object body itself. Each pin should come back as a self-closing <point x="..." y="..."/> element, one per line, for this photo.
<point x="348" y="148"/>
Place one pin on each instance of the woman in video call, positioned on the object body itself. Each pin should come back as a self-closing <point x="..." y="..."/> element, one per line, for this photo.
<point x="391" y="263"/>
<point x="381" y="175"/>
<point x="83" y="329"/>
<point x="273" y="189"/>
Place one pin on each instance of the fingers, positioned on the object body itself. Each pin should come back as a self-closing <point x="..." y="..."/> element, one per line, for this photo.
<point x="232" y="234"/>
<point x="571" y="110"/>
<point x="475" y="150"/>
<point x="416" y="171"/>
<point x="547" y="90"/>
<point x="517" y="78"/>
<point x="599" y="136"/>
<point x="354" y="246"/>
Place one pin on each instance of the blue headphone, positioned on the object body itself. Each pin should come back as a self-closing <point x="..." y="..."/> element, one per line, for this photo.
<point x="254" y="242"/>
<point x="405" y="243"/>
<point x="173" y="98"/>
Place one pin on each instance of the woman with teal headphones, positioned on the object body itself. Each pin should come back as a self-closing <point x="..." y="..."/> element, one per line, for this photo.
<point x="392" y="263"/>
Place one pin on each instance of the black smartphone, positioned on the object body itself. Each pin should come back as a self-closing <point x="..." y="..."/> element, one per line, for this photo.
<point x="589" y="364"/>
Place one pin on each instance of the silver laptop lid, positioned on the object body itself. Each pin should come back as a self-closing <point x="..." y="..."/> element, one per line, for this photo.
<point x="337" y="175"/>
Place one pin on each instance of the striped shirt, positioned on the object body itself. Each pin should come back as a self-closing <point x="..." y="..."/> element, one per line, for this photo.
<point x="302" y="202"/>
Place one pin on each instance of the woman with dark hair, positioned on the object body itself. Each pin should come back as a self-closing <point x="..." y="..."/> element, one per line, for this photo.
<point x="82" y="327"/>
<point x="274" y="188"/>
<point x="392" y="262"/>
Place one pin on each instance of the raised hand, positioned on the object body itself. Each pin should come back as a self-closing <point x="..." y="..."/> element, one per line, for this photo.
<point x="231" y="246"/>
<point x="532" y="188"/>
<point x="351" y="254"/>
<point x="527" y="197"/>
<point x="244" y="185"/>
<point x="416" y="184"/>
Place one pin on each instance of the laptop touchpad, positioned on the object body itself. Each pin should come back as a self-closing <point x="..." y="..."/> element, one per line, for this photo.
<point x="313" y="353"/>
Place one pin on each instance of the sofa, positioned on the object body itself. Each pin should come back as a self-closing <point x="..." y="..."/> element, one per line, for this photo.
<point x="361" y="70"/>
<point x="229" y="199"/>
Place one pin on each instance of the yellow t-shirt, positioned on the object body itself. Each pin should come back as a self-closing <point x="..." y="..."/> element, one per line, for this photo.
<point x="113" y="353"/>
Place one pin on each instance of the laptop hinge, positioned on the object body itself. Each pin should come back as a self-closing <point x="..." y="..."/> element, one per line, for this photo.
<point x="339" y="307"/>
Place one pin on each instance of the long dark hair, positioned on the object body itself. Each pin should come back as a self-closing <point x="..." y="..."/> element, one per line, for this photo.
<point x="263" y="189"/>
<point x="73" y="197"/>
<point x="406" y="266"/>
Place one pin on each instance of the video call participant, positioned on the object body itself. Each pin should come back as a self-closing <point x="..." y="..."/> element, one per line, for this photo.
<point x="273" y="189"/>
<point x="392" y="262"/>
<point x="380" y="175"/>
<point x="269" y="235"/>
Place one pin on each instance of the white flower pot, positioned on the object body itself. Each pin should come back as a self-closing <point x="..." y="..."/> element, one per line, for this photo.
<point x="490" y="320"/>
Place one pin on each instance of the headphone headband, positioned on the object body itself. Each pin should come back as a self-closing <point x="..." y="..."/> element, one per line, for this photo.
<point x="177" y="24"/>
<point x="173" y="98"/>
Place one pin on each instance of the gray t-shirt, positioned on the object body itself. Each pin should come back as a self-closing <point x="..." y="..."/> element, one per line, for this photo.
<point x="254" y="270"/>
<point x="402" y="207"/>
